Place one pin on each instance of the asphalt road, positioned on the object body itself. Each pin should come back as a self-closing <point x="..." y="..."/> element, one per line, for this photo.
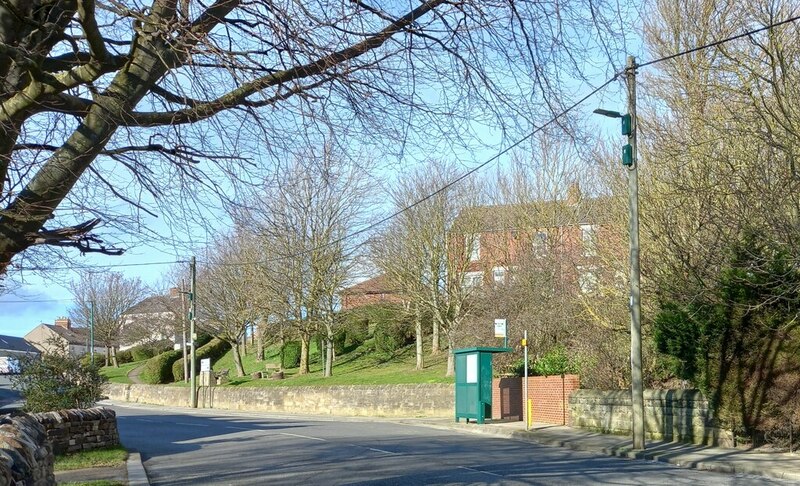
<point x="185" y="447"/>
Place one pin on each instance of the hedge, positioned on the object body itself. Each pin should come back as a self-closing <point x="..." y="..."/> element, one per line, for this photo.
<point x="290" y="354"/>
<point x="213" y="349"/>
<point x="157" y="370"/>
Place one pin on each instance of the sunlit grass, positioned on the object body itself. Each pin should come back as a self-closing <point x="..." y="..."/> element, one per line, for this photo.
<point x="109" y="457"/>
<point x="120" y="375"/>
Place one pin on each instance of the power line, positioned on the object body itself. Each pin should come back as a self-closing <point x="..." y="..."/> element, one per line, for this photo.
<point x="474" y="169"/>
<point x="720" y="42"/>
<point x="111" y="265"/>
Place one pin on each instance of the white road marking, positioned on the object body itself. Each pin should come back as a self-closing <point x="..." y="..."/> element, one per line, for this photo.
<point x="381" y="450"/>
<point x="303" y="436"/>
<point x="146" y="420"/>
<point x="238" y="428"/>
<point x="479" y="471"/>
<point x="193" y="425"/>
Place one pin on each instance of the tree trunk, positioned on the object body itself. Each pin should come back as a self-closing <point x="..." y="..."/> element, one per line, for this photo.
<point x="328" y="351"/>
<point x="237" y="359"/>
<point x="451" y="364"/>
<point x="419" y="336"/>
<point x="114" y="361"/>
<point x="108" y="361"/>
<point x="435" y="338"/>
<point x="259" y="335"/>
<point x="304" y="341"/>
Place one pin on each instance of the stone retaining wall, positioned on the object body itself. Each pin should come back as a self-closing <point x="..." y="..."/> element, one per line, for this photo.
<point x="26" y="457"/>
<point x="420" y="400"/>
<point x="80" y="430"/>
<point x="679" y="415"/>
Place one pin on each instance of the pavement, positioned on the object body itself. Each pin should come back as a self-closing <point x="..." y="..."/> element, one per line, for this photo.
<point x="784" y="466"/>
<point x="732" y="461"/>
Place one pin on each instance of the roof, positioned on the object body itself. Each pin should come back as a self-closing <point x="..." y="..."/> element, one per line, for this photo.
<point x="375" y="285"/>
<point x="12" y="343"/>
<point x="154" y="305"/>
<point x="536" y="214"/>
<point x="75" y="335"/>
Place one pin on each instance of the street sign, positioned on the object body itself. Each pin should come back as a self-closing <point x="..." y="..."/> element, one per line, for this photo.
<point x="205" y="364"/>
<point x="500" y="328"/>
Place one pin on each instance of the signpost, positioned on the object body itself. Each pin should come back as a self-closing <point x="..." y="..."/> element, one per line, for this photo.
<point x="501" y="330"/>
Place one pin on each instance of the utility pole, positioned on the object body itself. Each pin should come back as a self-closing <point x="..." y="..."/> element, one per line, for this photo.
<point x="91" y="331"/>
<point x="192" y="319"/>
<point x="527" y="411"/>
<point x="184" y="315"/>
<point x="637" y="388"/>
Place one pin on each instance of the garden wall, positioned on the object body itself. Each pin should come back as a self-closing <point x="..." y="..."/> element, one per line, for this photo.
<point x="26" y="456"/>
<point x="79" y="430"/>
<point x="418" y="400"/>
<point x="549" y="397"/>
<point x="675" y="415"/>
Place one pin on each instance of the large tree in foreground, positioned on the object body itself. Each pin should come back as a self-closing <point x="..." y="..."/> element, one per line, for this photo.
<point x="121" y="110"/>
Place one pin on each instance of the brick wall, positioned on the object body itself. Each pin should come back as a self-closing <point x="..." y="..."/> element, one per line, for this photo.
<point x="507" y="398"/>
<point x="79" y="430"/>
<point x="549" y="395"/>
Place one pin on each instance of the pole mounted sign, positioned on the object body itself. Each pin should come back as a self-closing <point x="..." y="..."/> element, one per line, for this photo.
<point x="500" y="327"/>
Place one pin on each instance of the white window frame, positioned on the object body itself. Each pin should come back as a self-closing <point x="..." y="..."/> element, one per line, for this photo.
<point x="499" y="275"/>
<point x="474" y="245"/>
<point x="473" y="279"/>
<point x="589" y="239"/>
<point x="588" y="283"/>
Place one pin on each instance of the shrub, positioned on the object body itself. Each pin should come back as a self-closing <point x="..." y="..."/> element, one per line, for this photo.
<point x="213" y="349"/>
<point x="141" y="353"/>
<point x="290" y="354"/>
<point x="339" y="341"/>
<point x="124" y="356"/>
<point x="555" y="362"/>
<point x="99" y="359"/>
<point x="56" y="381"/>
<point x="158" y="369"/>
<point x="391" y="336"/>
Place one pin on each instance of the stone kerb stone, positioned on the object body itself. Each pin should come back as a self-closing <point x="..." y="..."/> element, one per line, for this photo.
<point x="26" y="456"/>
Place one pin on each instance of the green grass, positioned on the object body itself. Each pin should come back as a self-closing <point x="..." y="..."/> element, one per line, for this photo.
<point x="359" y="367"/>
<point x="110" y="457"/>
<point x="120" y="375"/>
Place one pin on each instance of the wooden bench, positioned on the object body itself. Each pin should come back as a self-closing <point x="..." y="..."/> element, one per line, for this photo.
<point x="272" y="367"/>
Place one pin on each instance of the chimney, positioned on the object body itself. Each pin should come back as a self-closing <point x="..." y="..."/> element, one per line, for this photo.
<point x="174" y="293"/>
<point x="574" y="193"/>
<point x="63" y="322"/>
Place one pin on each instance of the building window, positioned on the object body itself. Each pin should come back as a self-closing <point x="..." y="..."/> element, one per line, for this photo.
<point x="587" y="280"/>
<point x="540" y="244"/>
<point x="473" y="279"/>
<point x="499" y="275"/>
<point x="474" y="244"/>
<point x="589" y="239"/>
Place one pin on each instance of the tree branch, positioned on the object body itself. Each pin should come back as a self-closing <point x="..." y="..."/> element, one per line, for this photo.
<point x="78" y="236"/>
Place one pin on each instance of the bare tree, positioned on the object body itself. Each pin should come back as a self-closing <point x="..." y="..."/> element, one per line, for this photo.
<point x="425" y="251"/>
<point x="108" y="295"/>
<point x="167" y="106"/>
<point x="225" y="309"/>
<point x="304" y="222"/>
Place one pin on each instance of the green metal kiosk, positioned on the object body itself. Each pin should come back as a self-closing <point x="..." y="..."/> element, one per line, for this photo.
<point x="474" y="382"/>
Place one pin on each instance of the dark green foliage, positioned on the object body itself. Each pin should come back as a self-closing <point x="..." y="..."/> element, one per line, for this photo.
<point x="124" y="356"/>
<point x="738" y="340"/>
<point x="389" y="336"/>
<point x="56" y="381"/>
<point x="212" y="349"/>
<point x="290" y="354"/>
<point x="556" y="361"/>
<point x="339" y="341"/>
<point x="99" y="359"/>
<point x="158" y="369"/>
<point x="141" y="353"/>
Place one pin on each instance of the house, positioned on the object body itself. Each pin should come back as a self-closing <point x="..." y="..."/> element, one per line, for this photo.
<point x="154" y="319"/>
<point x="61" y="336"/>
<point x="11" y="349"/>
<point x="376" y="290"/>
<point x="572" y="239"/>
